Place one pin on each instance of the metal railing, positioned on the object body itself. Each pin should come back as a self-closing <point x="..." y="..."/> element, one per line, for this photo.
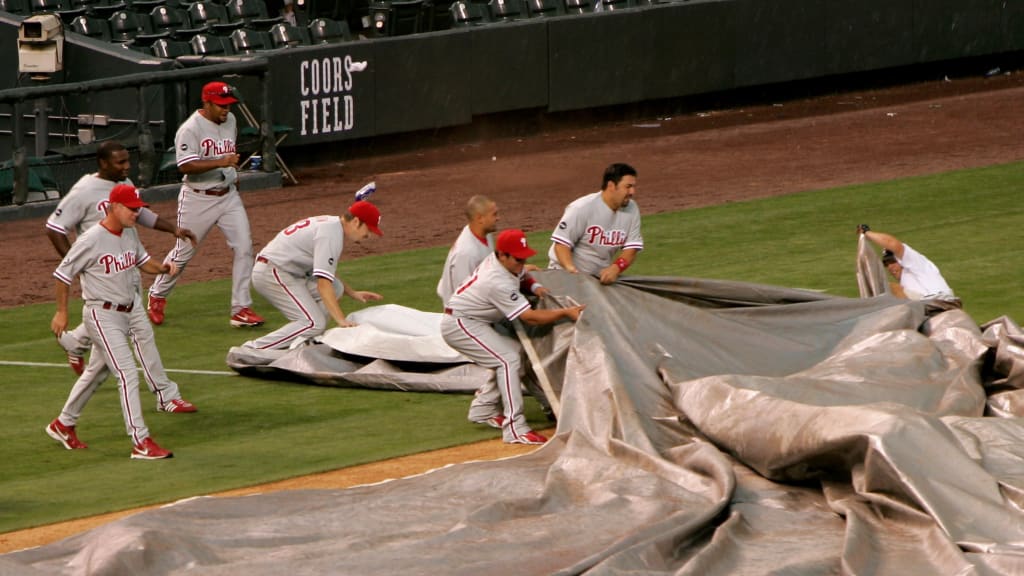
<point x="195" y="68"/>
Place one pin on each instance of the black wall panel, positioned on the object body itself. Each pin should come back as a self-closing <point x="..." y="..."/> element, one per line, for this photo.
<point x="509" y="66"/>
<point x="778" y="41"/>
<point x="695" y="50"/>
<point x="945" y="29"/>
<point x="598" y="60"/>
<point x="422" y="82"/>
<point x="868" y="35"/>
<point x="323" y="94"/>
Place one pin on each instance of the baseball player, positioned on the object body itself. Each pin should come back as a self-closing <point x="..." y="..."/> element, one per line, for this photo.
<point x="296" y="273"/>
<point x="474" y="243"/>
<point x="85" y="205"/>
<point x="918" y="277"/>
<point x="205" y="151"/>
<point x="108" y="258"/>
<point x="596" y="227"/>
<point x="492" y="294"/>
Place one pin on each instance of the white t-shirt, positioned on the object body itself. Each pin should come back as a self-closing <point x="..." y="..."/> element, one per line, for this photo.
<point x="921" y="279"/>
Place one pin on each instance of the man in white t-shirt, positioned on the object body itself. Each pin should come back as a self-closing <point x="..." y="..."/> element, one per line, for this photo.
<point x="918" y="278"/>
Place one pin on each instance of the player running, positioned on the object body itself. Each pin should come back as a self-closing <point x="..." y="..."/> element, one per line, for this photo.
<point x="205" y="149"/>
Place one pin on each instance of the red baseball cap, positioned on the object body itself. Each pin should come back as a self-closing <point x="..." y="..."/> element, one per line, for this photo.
<point x="513" y="242"/>
<point x="219" y="93"/>
<point x="126" y="195"/>
<point x="368" y="214"/>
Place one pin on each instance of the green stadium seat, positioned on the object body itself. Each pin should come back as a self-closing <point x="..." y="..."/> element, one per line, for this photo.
<point x="327" y="31"/>
<point x="396" y="18"/>
<point x="170" y="49"/>
<point x="206" y="13"/>
<point x="204" y="44"/>
<point x="97" y="28"/>
<point x="543" y="8"/>
<point x="469" y="14"/>
<point x="285" y="35"/>
<point x="168" y="19"/>
<point x="20" y="7"/>
<point x="578" y="6"/>
<point x="505" y="10"/>
<point x="245" y="41"/>
<point x="125" y="25"/>
<point x="437" y="15"/>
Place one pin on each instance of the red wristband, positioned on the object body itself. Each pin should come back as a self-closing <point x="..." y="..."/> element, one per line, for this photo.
<point x="622" y="264"/>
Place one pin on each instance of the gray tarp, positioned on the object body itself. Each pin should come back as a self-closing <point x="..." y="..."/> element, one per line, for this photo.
<point x="706" y="428"/>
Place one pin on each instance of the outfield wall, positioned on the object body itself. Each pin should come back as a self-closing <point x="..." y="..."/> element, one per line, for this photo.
<point x="384" y="86"/>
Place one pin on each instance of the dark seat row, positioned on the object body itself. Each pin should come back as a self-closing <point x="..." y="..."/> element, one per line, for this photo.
<point x="472" y="13"/>
<point x="247" y="41"/>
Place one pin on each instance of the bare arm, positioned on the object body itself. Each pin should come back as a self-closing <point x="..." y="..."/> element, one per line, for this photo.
<point x="326" y="289"/>
<point x="165" y="225"/>
<point x="886" y="241"/>
<point x="611" y="272"/>
<point x="564" y="255"/>
<point x="60" y="318"/>
<point x="153" y="267"/>
<point x="541" y="317"/>
<point x="60" y="242"/>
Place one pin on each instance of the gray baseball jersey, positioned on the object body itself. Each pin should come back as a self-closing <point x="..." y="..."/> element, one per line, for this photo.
<point x="595" y="233"/>
<point x="80" y="209"/>
<point x="108" y="266"/>
<point x="201" y="139"/>
<point x="299" y="255"/>
<point x="490" y="294"/>
<point x="309" y="247"/>
<point x="465" y="255"/>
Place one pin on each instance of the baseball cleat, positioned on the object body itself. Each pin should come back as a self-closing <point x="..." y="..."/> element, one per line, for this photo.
<point x="77" y="363"/>
<point x="155" y="310"/>
<point x="364" y="192"/>
<point x="530" y="437"/>
<point x="246" y="318"/>
<point x="494" y="421"/>
<point x="177" y="406"/>
<point x="65" y="435"/>
<point x="148" y="450"/>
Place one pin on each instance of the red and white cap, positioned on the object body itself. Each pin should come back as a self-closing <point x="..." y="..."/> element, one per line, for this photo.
<point x="219" y="93"/>
<point x="513" y="241"/>
<point x="368" y="214"/>
<point x="127" y="196"/>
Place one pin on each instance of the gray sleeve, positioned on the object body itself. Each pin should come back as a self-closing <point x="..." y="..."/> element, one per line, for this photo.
<point x="147" y="218"/>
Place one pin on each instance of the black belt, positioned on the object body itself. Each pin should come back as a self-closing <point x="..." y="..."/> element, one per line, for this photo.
<point x="448" y="311"/>
<point x="262" y="260"/>
<point x="118" y="307"/>
<point x="214" y="191"/>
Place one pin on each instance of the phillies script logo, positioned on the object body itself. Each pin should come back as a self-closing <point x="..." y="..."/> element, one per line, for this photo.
<point x="211" y="147"/>
<point x="597" y="235"/>
<point x="117" y="263"/>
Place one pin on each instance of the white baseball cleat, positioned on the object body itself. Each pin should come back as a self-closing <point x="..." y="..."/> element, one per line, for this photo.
<point x="364" y="192"/>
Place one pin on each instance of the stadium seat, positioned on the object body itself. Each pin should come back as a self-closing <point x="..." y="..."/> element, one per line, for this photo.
<point x="396" y="18"/>
<point x="106" y="8"/>
<point x="97" y="28"/>
<point x="146" y="6"/>
<point x="40" y="6"/>
<point x="245" y="41"/>
<point x="170" y="49"/>
<point x="207" y="13"/>
<point x="327" y="31"/>
<point x="285" y="35"/>
<point x="505" y="10"/>
<point x="466" y="13"/>
<point x="251" y="12"/>
<point x="578" y="6"/>
<point x="437" y="15"/>
<point x="543" y="8"/>
<point x="167" y="19"/>
<point x="16" y="7"/>
<point x="204" y="44"/>
<point x="610" y="5"/>
<point x="125" y="25"/>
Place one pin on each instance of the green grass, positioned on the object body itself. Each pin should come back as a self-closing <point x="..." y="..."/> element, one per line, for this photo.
<point x="250" y="431"/>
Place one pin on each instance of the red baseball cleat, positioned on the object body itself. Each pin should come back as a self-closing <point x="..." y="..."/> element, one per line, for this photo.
<point x="155" y="310"/>
<point x="494" y="421"/>
<point x="77" y="363"/>
<point x="246" y="318"/>
<point x="148" y="450"/>
<point x="178" y="405"/>
<point x="530" y="437"/>
<point x="65" y="435"/>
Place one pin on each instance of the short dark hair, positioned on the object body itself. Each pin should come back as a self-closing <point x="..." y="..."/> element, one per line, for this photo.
<point x="888" y="257"/>
<point x="106" y="149"/>
<point x="615" y="172"/>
